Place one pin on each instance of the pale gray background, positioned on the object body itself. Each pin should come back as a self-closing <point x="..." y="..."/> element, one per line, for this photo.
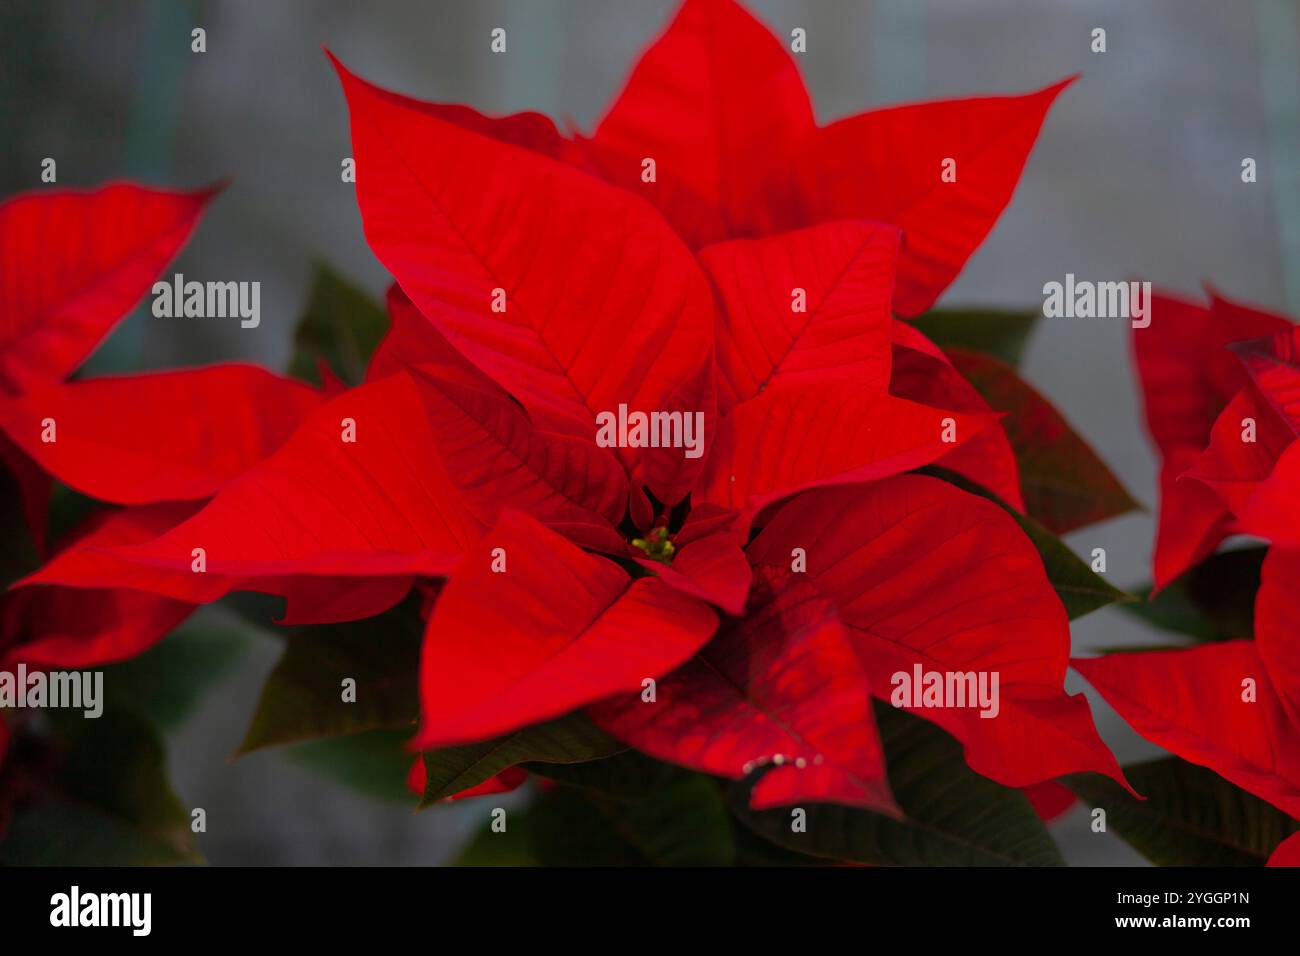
<point x="1136" y="174"/>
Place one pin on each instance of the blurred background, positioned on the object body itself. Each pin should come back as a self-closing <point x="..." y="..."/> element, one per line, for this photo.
<point x="1136" y="174"/>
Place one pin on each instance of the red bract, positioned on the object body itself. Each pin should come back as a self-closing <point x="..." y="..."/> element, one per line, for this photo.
<point x="923" y="373"/>
<point x="547" y="656"/>
<point x="74" y="263"/>
<point x="82" y="627"/>
<point x="1274" y="364"/>
<point x="1188" y="376"/>
<point x="846" y="269"/>
<point x="544" y="284"/>
<point x="1220" y="412"/>
<point x="1192" y="703"/>
<point x="718" y="104"/>
<point x="1287" y="852"/>
<point x="205" y="427"/>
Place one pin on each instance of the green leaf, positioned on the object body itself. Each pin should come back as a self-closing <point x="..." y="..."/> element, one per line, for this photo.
<point x="953" y="816"/>
<point x="569" y="739"/>
<point x="682" y="822"/>
<point x="628" y="775"/>
<point x="626" y="810"/>
<point x="631" y="775"/>
<point x="512" y="848"/>
<point x="1191" y="816"/>
<point x="1080" y="588"/>
<point x="303" y="697"/>
<point x="754" y="850"/>
<point x="1214" y="601"/>
<point x="342" y="325"/>
<point x="113" y="806"/>
<point x="1064" y="483"/>
<point x="995" y="332"/>
<point x="167" y="681"/>
<point x="373" y="763"/>
<point x="568" y="828"/>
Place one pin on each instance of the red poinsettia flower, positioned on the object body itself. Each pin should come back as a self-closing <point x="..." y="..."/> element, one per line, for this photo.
<point x="715" y="129"/>
<point x="1225" y="420"/>
<point x="1196" y="393"/>
<point x="767" y="567"/>
<point x="71" y="265"/>
<point x="75" y="263"/>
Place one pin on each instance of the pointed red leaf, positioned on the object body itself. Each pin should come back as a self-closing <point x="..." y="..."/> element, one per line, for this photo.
<point x="412" y="340"/>
<point x="1187" y="377"/>
<point x="89" y="569"/>
<point x="781" y="688"/>
<point x="313" y="599"/>
<point x="1170" y="356"/>
<point x="74" y="262"/>
<point x="1050" y="800"/>
<point x="1190" y="703"/>
<point x="1191" y="521"/>
<point x="566" y="628"/>
<point x="845" y="273"/>
<point x="1274" y="364"/>
<point x="159" y="436"/>
<point x="1277" y="626"/>
<point x="888" y="165"/>
<point x="718" y="103"/>
<point x="691" y="216"/>
<point x="498" y="460"/>
<point x="527" y="130"/>
<point x="1273" y="511"/>
<point x="924" y="575"/>
<point x="782" y="442"/>
<point x="383" y="504"/>
<point x="1186" y="372"/>
<point x="90" y="561"/>
<point x="1287" y="853"/>
<point x="922" y="373"/>
<point x="1232" y="465"/>
<point x="87" y="628"/>
<point x="602" y="303"/>
<point x="56" y="627"/>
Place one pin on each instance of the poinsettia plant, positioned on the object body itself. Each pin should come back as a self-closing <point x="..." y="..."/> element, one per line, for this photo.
<point x="1221" y="386"/>
<point x="656" y="487"/>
